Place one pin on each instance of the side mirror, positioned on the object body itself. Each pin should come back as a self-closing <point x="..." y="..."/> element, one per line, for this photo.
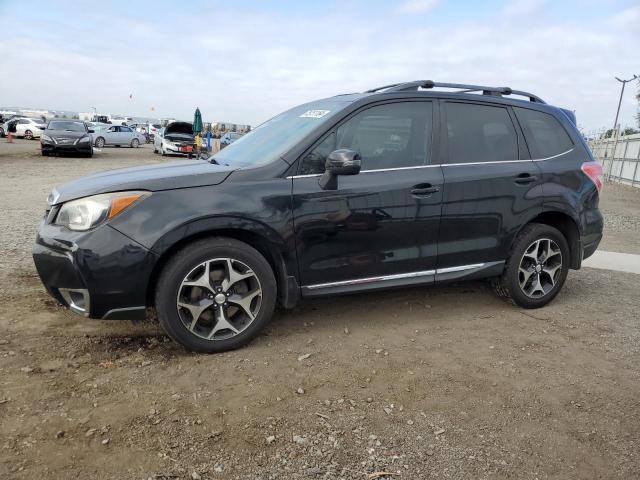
<point x="339" y="162"/>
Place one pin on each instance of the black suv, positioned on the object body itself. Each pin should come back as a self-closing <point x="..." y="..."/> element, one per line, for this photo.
<point x="412" y="183"/>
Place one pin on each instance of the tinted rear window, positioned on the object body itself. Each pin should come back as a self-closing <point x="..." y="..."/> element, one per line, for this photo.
<point x="544" y="135"/>
<point x="480" y="133"/>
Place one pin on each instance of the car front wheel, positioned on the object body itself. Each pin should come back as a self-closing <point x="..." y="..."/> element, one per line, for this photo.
<point x="536" y="268"/>
<point x="215" y="295"/>
<point x="99" y="142"/>
<point x="135" y="143"/>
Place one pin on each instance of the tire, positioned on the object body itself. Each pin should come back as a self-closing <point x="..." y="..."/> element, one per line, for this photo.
<point x="162" y="151"/>
<point x="135" y="143"/>
<point x="155" y="150"/>
<point x="2" y="133"/>
<point x="45" y="154"/>
<point x="188" y="265"/>
<point x="519" y="285"/>
<point x="28" y="135"/>
<point x="99" y="142"/>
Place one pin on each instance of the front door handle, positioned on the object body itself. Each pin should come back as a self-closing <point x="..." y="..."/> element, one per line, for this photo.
<point x="424" y="190"/>
<point x="525" y="178"/>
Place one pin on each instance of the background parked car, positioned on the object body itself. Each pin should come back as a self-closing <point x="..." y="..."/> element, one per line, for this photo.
<point x="118" y="135"/>
<point x="228" y="138"/>
<point x="67" y="136"/>
<point x="5" y="120"/>
<point x="175" y="139"/>
<point x="28" y="128"/>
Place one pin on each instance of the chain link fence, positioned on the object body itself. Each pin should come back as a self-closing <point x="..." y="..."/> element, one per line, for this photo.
<point x="620" y="156"/>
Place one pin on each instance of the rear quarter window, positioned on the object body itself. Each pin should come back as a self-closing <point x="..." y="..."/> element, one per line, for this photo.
<point x="544" y="134"/>
<point x="480" y="133"/>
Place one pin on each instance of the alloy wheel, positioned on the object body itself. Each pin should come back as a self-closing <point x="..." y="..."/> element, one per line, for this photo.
<point x="219" y="299"/>
<point x="540" y="268"/>
<point x="28" y="135"/>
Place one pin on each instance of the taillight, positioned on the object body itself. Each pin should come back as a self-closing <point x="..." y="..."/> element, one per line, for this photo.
<point x="593" y="170"/>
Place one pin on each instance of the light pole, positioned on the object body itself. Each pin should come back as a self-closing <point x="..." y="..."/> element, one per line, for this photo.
<point x="615" y="123"/>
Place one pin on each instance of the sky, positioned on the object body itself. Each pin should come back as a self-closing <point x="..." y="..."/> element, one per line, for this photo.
<point x="244" y="62"/>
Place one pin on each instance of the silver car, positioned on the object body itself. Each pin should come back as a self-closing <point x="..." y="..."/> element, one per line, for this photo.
<point x="118" y="135"/>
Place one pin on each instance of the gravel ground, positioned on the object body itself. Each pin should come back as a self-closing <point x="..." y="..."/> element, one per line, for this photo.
<point x="447" y="382"/>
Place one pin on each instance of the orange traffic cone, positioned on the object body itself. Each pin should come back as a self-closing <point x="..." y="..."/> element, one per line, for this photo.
<point x="9" y="137"/>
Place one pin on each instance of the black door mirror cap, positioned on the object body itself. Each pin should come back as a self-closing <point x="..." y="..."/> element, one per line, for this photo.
<point x="343" y="162"/>
<point x="339" y="162"/>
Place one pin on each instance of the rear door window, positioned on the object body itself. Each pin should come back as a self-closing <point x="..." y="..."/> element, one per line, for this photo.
<point x="480" y="133"/>
<point x="545" y="136"/>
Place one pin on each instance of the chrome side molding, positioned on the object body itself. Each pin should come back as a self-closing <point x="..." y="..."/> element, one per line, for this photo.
<point x="401" y="276"/>
<point x="361" y="281"/>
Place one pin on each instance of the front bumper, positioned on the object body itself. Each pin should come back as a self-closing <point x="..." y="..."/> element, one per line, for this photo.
<point x="177" y="150"/>
<point x="98" y="274"/>
<point x="79" y="148"/>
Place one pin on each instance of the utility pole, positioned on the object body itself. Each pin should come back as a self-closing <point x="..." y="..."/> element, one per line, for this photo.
<point x="615" y="123"/>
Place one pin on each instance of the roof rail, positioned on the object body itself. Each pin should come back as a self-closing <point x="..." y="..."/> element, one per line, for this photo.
<point x="462" y="88"/>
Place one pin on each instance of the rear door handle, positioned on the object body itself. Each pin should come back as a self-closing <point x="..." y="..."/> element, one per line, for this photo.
<point x="525" y="178"/>
<point x="424" y="190"/>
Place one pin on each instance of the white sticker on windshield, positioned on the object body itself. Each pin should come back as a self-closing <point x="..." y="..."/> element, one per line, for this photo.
<point x="314" y="113"/>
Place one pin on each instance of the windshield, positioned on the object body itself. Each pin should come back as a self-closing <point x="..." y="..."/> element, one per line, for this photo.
<point x="277" y="136"/>
<point x="70" y="126"/>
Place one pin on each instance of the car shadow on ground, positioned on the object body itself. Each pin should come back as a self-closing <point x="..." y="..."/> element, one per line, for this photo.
<point x="313" y="315"/>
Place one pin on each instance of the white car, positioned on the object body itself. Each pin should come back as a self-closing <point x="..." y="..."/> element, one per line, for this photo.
<point x="28" y="128"/>
<point x="174" y="139"/>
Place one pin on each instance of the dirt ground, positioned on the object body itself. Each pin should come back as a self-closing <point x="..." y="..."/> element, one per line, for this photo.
<point x="446" y="382"/>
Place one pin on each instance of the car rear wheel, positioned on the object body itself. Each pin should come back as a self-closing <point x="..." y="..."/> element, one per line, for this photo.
<point x="135" y="143"/>
<point x="536" y="268"/>
<point x="99" y="142"/>
<point x="2" y="134"/>
<point x="215" y="295"/>
<point x="28" y="134"/>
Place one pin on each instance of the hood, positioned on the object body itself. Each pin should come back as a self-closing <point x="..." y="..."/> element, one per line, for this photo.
<point x="65" y="133"/>
<point x="164" y="176"/>
<point x="179" y="127"/>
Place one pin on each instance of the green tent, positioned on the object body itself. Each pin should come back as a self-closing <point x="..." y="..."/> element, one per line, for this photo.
<point x="197" y="121"/>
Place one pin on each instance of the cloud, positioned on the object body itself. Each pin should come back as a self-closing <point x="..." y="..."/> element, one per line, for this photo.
<point x="522" y="8"/>
<point x="628" y="17"/>
<point x="417" y="6"/>
<point x="244" y="65"/>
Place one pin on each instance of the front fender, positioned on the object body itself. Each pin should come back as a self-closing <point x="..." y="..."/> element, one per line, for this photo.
<point x="219" y="223"/>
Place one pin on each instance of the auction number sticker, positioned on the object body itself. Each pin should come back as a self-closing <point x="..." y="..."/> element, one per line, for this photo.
<point x="314" y="113"/>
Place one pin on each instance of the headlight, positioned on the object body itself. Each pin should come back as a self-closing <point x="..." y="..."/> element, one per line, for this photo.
<point x="89" y="212"/>
<point x="84" y="139"/>
<point x="47" y="138"/>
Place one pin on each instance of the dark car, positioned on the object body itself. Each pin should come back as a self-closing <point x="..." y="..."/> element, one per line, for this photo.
<point x="408" y="184"/>
<point x="67" y="137"/>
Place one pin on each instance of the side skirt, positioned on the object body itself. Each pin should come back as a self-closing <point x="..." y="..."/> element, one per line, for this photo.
<point x="425" y="277"/>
